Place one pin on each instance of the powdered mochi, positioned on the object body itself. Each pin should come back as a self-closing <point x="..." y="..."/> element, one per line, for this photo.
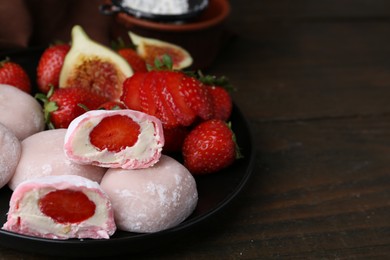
<point x="20" y="112"/>
<point x="10" y="150"/>
<point x="43" y="155"/>
<point x="152" y="199"/>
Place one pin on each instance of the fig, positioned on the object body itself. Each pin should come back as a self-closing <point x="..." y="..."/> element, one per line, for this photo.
<point x="94" y="66"/>
<point x="150" y="49"/>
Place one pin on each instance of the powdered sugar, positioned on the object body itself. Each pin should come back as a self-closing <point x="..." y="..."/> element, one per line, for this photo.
<point x="158" y="6"/>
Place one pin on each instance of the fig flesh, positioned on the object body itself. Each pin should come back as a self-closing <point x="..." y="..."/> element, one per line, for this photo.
<point x="91" y="65"/>
<point x="150" y="49"/>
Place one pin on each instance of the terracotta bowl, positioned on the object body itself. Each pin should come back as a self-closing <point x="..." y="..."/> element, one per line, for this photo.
<point x="202" y="37"/>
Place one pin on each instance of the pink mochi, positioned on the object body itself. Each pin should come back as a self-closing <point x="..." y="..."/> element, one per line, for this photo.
<point x="144" y="153"/>
<point x="20" y="112"/>
<point x="152" y="199"/>
<point x="10" y="150"/>
<point x="26" y="217"/>
<point x="43" y="155"/>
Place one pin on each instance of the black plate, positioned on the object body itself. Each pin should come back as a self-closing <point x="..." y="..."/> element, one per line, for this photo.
<point x="215" y="192"/>
<point x="196" y="7"/>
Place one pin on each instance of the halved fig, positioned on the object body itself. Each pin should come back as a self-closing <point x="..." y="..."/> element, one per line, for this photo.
<point x="150" y="49"/>
<point x="94" y="66"/>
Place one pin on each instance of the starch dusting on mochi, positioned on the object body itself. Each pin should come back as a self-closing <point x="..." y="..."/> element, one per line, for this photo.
<point x="153" y="199"/>
<point x="43" y="155"/>
<point x="10" y="151"/>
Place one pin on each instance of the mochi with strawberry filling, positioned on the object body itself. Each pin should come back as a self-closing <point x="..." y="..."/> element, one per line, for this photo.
<point x="152" y="199"/>
<point x="124" y="138"/>
<point x="61" y="207"/>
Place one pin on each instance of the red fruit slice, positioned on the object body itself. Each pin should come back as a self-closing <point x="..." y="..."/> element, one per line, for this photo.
<point x="67" y="206"/>
<point x="131" y="91"/>
<point x="164" y="111"/>
<point x="148" y="93"/>
<point x="115" y="133"/>
<point x="197" y="97"/>
<point x="176" y="100"/>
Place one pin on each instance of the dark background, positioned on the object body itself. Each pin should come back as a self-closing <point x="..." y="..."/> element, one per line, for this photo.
<point x="313" y="80"/>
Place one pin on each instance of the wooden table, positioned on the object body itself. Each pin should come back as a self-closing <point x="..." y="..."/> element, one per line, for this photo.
<point x="313" y="80"/>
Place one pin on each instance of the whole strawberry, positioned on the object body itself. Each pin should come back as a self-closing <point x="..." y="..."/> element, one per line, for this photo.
<point x="209" y="147"/>
<point x="50" y="65"/>
<point x="13" y="74"/>
<point x="136" y="62"/>
<point x="62" y="105"/>
<point x="219" y="89"/>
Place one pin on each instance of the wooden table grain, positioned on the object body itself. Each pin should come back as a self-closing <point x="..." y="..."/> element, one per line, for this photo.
<point x="313" y="80"/>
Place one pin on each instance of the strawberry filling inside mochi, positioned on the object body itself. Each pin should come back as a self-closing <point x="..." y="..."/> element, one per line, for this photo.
<point x="61" y="207"/>
<point x="67" y="206"/>
<point x="115" y="133"/>
<point x="124" y="138"/>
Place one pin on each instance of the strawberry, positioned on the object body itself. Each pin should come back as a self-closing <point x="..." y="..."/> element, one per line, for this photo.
<point x="209" y="147"/>
<point x="115" y="133"/>
<point x="219" y="89"/>
<point x="67" y="206"/>
<point x="131" y="90"/>
<point x="62" y="105"/>
<point x="50" y="65"/>
<point x="174" y="138"/>
<point x="222" y="103"/>
<point x="197" y="97"/>
<point x="136" y="62"/>
<point x="173" y="97"/>
<point x="13" y="74"/>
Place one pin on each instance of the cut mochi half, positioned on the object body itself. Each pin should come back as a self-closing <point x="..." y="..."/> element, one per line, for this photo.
<point x="125" y="139"/>
<point x="61" y="207"/>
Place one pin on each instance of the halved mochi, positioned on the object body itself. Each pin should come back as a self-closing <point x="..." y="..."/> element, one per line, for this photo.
<point x="153" y="199"/>
<point x="21" y="112"/>
<point x="125" y="138"/>
<point x="43" y="155"/>
<point x="61" y="207"/>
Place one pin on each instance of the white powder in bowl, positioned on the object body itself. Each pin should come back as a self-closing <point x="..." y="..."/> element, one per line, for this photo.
<point x="158" y="6"/>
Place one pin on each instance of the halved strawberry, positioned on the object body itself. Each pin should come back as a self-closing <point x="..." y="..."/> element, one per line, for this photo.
<point x="67" y="206"/>
<point x="115" y="133"/>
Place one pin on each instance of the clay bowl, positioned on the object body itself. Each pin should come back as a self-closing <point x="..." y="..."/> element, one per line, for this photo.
<point x="203" y="36"/>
